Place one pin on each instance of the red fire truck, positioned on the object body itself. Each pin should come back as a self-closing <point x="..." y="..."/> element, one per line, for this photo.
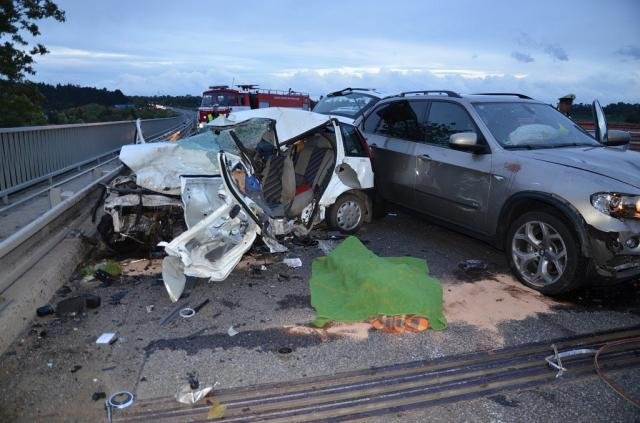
<point x="221" y="99"/>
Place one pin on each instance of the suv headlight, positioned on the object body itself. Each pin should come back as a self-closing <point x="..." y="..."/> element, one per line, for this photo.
<point x="617" y="205"/>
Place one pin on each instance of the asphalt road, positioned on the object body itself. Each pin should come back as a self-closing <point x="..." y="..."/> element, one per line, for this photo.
<point x="54" y="368"/>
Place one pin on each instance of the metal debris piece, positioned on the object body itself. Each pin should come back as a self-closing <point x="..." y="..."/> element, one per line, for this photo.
<point x="186" y="395"/>
<point x="119" y="400"/>
<point x="232" y="331"/>
<point x="187" y="312"/>
<point x="555" y="360"/>
<point x="293" y="262"/>
<point x="473" y="265"/>
<point x="149" y="308"/>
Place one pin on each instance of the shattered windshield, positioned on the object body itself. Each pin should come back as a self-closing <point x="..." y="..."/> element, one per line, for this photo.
<point x="219" y="99"/>
<point x="350" y="105"/>
<point x="531" y="126"/>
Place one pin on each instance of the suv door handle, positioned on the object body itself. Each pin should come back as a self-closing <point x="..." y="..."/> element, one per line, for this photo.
<point x="424" y="157"/>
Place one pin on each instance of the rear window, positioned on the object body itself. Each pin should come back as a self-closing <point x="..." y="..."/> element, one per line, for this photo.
<point x="352" y="144"/>
<point x="399" y="119"/>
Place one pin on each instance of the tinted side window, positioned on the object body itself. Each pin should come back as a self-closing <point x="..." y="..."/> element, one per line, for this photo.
<point x="352" y="145"/>
<point x="445" y="119"/>
<point x="400" y="119"/>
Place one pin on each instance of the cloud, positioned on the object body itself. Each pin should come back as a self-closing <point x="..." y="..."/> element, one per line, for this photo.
<point x="552" y="49"/>
<point x="522" y="57"/>
<point x="556" y="52"/>
<point x="632" y="52"/>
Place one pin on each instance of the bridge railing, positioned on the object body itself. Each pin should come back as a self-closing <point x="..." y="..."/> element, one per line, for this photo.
<point x="29" y="155"/>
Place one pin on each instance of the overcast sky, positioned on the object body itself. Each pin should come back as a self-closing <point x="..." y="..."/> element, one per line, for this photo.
<point x="544" y="48"/>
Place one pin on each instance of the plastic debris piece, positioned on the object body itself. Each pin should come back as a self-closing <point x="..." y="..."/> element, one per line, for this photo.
<point x="186" y="395"/>
<point x="232" y="331"/>
<point x="45" y="310"/>
<point x="71" y="306"/>
<point x="149" y="308"/>
<point x="98" y="396"/>
<point x="92" y="301"/>
<point x="107" y="338"/>
<point x="473" y="265"/>
<point x="293" y="262"/>
<point x="216" y="411"/>
<point x="76" y="368"/>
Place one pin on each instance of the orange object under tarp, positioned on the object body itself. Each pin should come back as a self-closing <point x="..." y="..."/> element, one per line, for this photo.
<point x="400" y="324"/>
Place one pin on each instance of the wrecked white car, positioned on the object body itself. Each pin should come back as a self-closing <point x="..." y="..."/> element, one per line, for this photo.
<point x="266" y="172"/>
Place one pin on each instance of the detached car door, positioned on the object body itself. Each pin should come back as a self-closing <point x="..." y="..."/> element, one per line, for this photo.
<point x="393" y="131"/>
<point x="452" y="185"/>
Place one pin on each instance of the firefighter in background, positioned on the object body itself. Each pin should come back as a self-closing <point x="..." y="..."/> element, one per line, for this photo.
<point x="565" y="103"/>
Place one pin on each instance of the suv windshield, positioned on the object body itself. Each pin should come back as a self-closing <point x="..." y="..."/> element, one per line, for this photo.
<point x="530" y="125"/>
<point x="219" y="99"/>
<point x="349" y="105"/>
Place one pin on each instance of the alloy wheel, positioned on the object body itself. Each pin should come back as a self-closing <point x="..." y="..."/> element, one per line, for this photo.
<point x="539" y="253"/>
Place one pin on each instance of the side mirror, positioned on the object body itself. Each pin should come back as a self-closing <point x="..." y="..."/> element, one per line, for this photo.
<point x="618" y="138"/>
<point x="600" y="123"/>
<point x="466" y="141"/>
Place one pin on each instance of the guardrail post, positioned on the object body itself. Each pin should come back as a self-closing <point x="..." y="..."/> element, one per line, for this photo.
<point x="55" y="196"/>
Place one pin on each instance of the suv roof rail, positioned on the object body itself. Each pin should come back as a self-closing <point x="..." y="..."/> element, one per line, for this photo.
<point x="347" y="90"/>
<point x="427" y="92"/>
<point x="526" y="97"/>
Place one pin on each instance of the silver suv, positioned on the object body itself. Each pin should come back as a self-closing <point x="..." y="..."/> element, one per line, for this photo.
<point x="563" y="204"/>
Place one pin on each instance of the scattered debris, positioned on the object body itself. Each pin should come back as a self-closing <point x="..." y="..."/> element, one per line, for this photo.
<point x="555" y="360"/>
<point x="187" y="395"/>
<point x="216" y="411"/>
<point x="199" y="306"/>
<point x="45" y="310"/>
<point x="187" y="312"/>
<point x="149" y="308"/>
<point x="194" y="383"/>
<point x="119" y="400"/>
<point x="71" y="306"/>
<point x="293" y="262"/>
<point x="50" y="364"/>
<point x="103" y="277"/>
<point x="98" y="396"/>
<point x="392" y="214"/>
<point x="76" y="368"/>
<point x="115" y="298"/>
<point x="92" y="301"/>
<point x="232" y="331"/>
<point x="473" y="265"/>
<point x="173" y="313"/>
<point x="285" y="350"/>
<point x="107" y="338"/>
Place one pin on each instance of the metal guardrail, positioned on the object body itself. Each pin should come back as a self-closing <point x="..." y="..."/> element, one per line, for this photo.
<point x="29" y="155"/>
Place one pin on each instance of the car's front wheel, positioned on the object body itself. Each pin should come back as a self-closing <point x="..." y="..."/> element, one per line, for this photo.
<point x="347" y="213"/>
<point x="544" y="253"/>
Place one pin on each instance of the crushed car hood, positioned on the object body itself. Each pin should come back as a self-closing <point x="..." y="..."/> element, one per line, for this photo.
<point x="621" y="165"/>
<point x="290" y="123"/>
<point x="158" y="166"/>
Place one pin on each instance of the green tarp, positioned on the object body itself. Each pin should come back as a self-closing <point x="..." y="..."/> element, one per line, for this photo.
<point x="352" y="284"/>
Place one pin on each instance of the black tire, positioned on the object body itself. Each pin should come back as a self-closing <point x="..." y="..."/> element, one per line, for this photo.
<point x="562" y="275"/>
<point x="345" y="220"/>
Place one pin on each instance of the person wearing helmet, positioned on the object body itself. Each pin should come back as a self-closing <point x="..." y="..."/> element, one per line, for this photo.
<point x="565" y="103"/>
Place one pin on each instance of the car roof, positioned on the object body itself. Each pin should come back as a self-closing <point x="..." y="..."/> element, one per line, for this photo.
<point x="451" y="95"/>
